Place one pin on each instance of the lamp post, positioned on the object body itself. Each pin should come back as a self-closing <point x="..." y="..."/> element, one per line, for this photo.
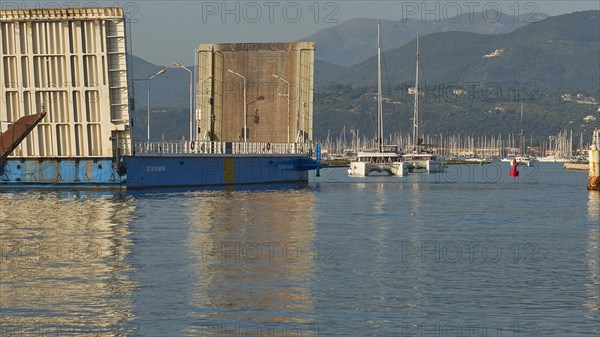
<point x="205" y="95"/>
<point x="245" y="104"/>
<point x="288" y="104"/>
<point x="257" y="98"/>
<point x="192" y="122"/>
<point x="162" y="71"/>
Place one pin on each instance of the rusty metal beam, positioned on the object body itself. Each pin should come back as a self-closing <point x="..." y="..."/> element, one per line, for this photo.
<point x="14" y="135"/>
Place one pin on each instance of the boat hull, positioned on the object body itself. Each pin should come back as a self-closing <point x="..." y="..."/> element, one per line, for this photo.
<point x="363" y="169"/>
<point x="151" y="171"/>
<point x="431" y="166"/>
<point x="520" y="161"/>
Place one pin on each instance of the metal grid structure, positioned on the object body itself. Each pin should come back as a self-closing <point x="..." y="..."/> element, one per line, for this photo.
<point x="72" y="63"/>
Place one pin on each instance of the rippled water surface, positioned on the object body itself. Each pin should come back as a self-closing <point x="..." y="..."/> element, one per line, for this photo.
<point x="467" y="253"/>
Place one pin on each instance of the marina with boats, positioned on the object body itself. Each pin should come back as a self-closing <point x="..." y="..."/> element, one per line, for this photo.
<point x="465" y="149"/>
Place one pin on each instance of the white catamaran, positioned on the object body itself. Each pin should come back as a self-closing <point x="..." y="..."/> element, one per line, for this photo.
<point x="386" y="158"/>
<point x="419" y="158"/>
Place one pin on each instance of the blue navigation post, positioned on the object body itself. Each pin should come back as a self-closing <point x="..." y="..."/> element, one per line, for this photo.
<point x="318" y="151"/>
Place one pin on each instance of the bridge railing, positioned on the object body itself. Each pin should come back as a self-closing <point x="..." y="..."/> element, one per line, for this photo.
<point x="164" y="147"/>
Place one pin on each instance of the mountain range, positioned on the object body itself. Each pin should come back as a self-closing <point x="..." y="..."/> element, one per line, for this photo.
<point x="353" y="41"/>
<point x="559" y="53"/>
<point x="533" y="64"/>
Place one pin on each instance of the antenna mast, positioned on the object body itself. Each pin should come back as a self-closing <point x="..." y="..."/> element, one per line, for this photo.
<point x="416" y="107"/>
<point x="379" y="100"/>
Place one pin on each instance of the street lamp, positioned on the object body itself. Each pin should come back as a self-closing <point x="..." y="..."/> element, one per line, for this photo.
<point x="288" y="104"/>
<point x="257" y="98"/>
<point x="162" y="71"/>
<point x="245" y="104"/>
<point x="201" y="84"/>
<point x="192" y="119"/>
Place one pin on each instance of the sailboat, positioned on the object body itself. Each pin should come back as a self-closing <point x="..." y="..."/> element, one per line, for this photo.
<point x="386" y="158"/>
<point x="419" y="158"/>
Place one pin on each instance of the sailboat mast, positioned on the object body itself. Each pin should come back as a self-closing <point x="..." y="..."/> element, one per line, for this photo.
<point x="416" y="107"/>
<point x="521" y="140"/>
<point x="379" y="100"/>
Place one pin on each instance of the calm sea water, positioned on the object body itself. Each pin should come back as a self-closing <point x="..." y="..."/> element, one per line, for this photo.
<point x="468" y="253"/>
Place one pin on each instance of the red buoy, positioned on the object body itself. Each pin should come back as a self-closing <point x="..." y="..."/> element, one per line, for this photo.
<point x="514" y="172"/>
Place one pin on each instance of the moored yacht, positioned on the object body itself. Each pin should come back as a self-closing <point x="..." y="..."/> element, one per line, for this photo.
<point x="521" y="160"/>
<point x="385" y="158"/>
<point x="388" y="160"/>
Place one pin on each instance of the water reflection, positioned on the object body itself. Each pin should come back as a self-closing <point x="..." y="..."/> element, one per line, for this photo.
<point x="592" y="254"/>
<point x="416" y="271"/>
<point x="255" y="255"/>
<point x="594" y="207"/>
<point x="62" y="259"/>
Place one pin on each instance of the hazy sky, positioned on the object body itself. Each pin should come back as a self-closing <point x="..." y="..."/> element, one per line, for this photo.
<point x="170" y="30"/>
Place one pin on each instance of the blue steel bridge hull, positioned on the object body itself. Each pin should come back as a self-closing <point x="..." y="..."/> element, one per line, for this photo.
<point x="151" y="171"/>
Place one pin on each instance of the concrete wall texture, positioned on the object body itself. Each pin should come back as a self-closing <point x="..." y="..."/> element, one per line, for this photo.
<point x="279" y="91"/>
